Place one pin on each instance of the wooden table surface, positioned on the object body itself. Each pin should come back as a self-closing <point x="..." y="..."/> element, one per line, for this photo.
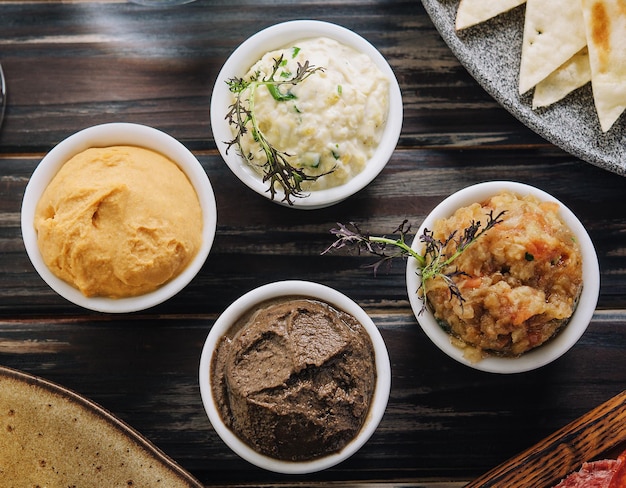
<point x="72" y="64"/>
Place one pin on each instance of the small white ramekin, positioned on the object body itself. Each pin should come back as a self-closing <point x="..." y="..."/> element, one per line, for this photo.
<point x="276" y="37"/>
<point x="290" y="289"/>
<point x="110" y="135"/>
<point x="565" y="338"/>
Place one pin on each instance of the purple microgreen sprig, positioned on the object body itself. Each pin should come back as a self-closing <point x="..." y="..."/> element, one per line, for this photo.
<point x="351" y="235"/>
<point x="242" y="116"/>
<point x="433" y="263"/>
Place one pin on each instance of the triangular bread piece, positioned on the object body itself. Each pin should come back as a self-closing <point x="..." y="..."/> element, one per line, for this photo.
<point x="605" y="23"/>
<point x="472" y="12"/>
<point x="554" y="30"/>
<point x="567" y="78"/>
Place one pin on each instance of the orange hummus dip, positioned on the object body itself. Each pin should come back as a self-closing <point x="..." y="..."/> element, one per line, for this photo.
<point x="520" y="281"/>
<point x="118" y="221"/>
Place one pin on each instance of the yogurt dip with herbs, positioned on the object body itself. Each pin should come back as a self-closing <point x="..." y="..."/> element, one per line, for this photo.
<point x="328" y="124"/>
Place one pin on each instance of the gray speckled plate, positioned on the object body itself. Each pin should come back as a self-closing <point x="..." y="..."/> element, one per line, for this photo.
<point x="491" y="52"/>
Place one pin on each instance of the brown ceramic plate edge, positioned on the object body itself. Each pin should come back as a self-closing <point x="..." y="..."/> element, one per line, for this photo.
<point x="595" y="435"/>
<point x="135" y="444"/>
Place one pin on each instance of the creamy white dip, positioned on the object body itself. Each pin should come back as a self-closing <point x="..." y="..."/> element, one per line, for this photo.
<point x="336" y="120"/>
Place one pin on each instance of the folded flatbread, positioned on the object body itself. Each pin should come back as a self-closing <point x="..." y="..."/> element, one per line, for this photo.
<point x="605" y="25"/>
<point x="567" y="78"/>
<point x="472" y="12"/>
<point x="554" y="31"/>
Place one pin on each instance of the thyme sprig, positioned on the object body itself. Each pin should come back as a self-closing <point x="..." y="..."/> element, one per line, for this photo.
<point x="433" y="263"/>
<point x="241" y="114"/>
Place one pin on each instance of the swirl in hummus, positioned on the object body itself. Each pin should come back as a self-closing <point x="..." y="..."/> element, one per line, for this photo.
<point x="118" y="221"/>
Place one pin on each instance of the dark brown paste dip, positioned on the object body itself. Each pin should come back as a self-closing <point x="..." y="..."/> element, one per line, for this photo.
<point x="294" y="379"/>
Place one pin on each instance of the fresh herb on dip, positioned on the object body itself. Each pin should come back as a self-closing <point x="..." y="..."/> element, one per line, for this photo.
<point x="516" y="280"/>
<point x="309" y="117"/>
<point x="434" y="263"/>
<point x="277" y="168"/>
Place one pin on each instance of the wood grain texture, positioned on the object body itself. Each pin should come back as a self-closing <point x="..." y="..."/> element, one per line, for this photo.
<point x="561" y="453"/>
<point x="71" y="64"/>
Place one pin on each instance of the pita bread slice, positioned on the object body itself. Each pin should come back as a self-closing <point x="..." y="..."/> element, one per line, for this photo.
<point x="605" y="24"/>
<point x="554" y="30"/>
<point x="575" y="73"/>
<point x="472" y="12"/>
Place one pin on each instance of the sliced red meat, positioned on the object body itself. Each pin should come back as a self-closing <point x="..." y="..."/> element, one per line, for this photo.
<point x="596" y="474"/>
<point x="619" y="478"/>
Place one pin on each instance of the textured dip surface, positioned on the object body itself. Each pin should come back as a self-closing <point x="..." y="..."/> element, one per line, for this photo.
<point x="520" y="280"/>
<point x="295" y="379"/>
<point x="118" y="221"/>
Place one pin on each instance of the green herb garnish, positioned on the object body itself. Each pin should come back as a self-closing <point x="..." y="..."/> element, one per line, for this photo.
<point x="278" y="96"/>
<point x="277" y="169"/>
<point x="433" y="263"/>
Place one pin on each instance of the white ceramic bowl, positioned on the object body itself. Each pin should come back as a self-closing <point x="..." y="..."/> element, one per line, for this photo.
<point x="109" y="135"/>
<point x="315" y="291"/>
<point x="276" y="37"/>
<point x="545" y="353"/>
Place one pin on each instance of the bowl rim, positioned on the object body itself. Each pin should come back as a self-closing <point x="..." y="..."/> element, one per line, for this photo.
<point x="109" y="134"/>
<point x="545" y="353"/>
<point x="275" y="37"/>
<point x="315" y="291"/>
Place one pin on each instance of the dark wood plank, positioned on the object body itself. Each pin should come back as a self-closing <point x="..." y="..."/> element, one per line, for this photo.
<point x="444" y="421"/>
<point x="563" y="452"/>
<point x="73" y="64"/>
<point x="103" y="62"/>
<point x="288" y="243"/>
